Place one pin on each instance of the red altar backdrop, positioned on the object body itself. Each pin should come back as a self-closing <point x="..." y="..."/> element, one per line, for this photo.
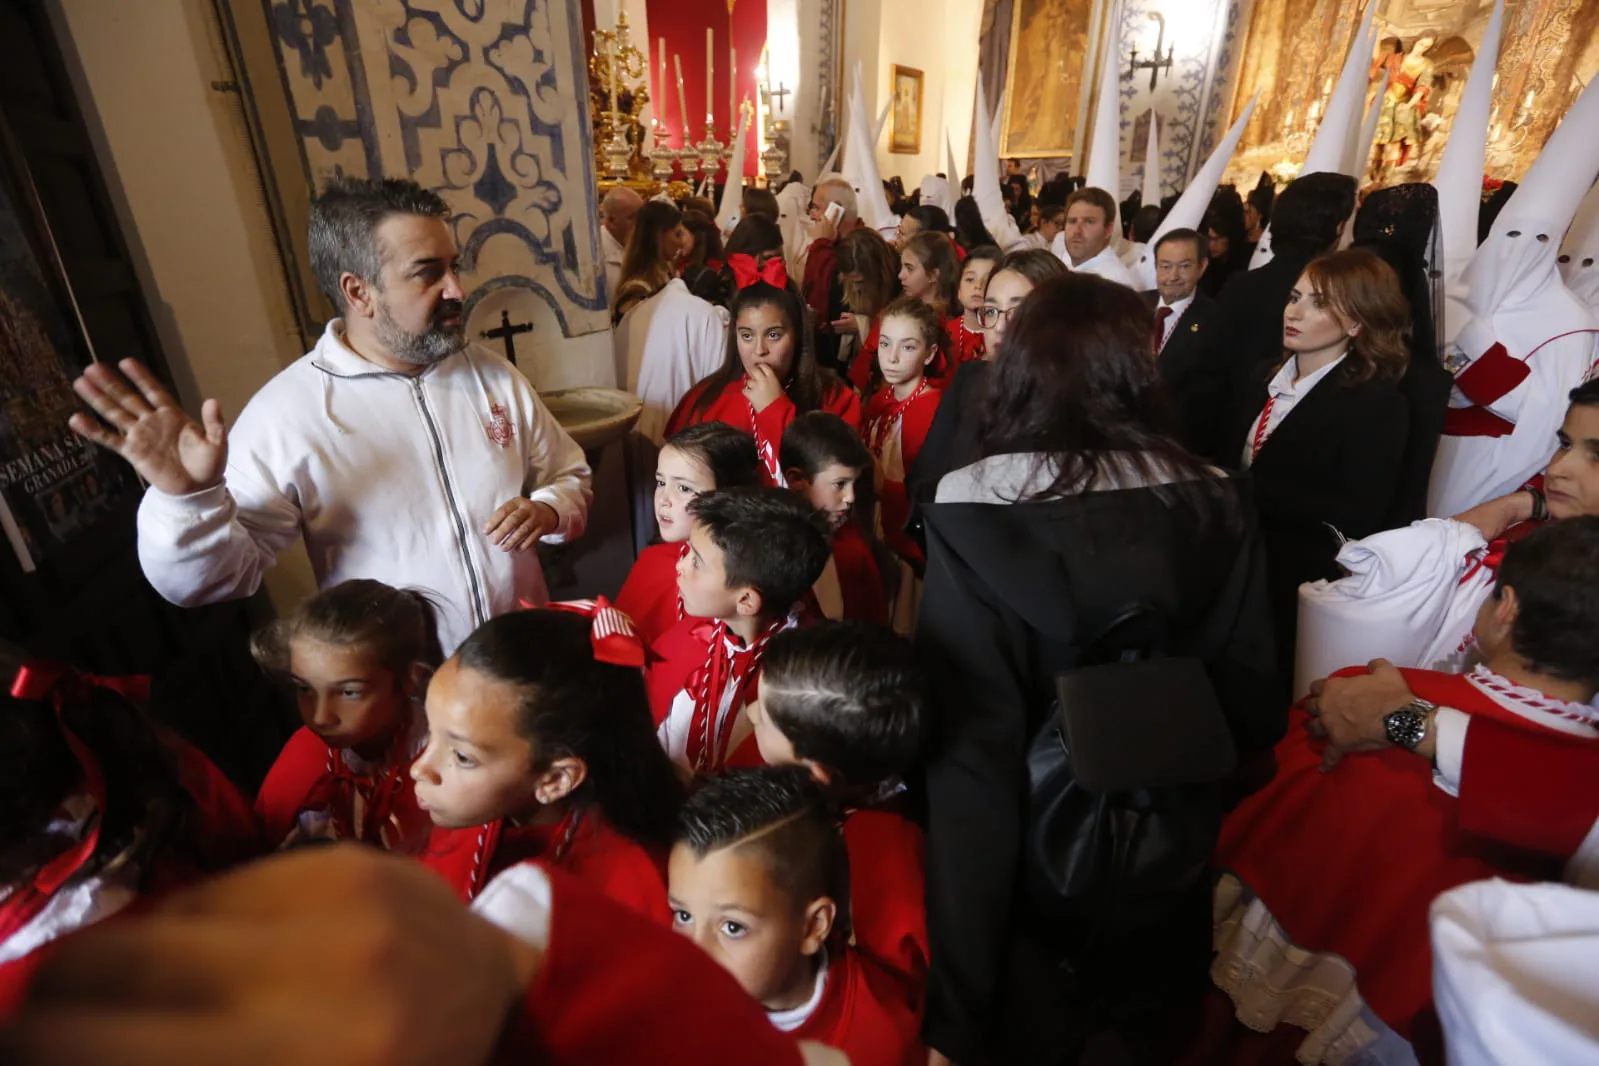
<point x="683" y="23"/>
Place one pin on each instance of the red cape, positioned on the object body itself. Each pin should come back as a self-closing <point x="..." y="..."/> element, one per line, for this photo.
<point x="678" y="653"/>
<point x="615" y="988"/>
<point x="859" y="579"/>
<point x="598" y="856"/>
<point x="863" y="1014"/>
<point x="865" y="361"/>
<point x="1348" y="862"/>
<point x="893" y="499"/>
<point x="299" y="781"/>
<point x="649" y="595"/>
<point x="887" y="905"/>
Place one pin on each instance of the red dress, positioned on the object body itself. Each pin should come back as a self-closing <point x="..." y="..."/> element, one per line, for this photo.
<point x="1348" y="862"/>
<point x="895" y="432"/>
<point x="615" y="988"/>
<point x="862" y="1013"/>
<point x="582" y="844"/>
<point x="965" y="344"/>
<point x="887" y="905"/>
<point x="649" y="595"/>
<point x="312" y="792"/>
<point x="767" y="426"/>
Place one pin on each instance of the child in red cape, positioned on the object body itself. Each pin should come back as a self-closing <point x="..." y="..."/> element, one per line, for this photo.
<point x="102" y="808"/>
<point x="540" y="747"/>
<point x="846" y="701"/>
<point x="899" y="414"/>
<point x="964" y="329"/>
<point x="753" y="554"/>
<point x="1332" y="873"/>
<point x="693" y="461"/>
<point x="770" y="374"/>
<point x="756" y="880"/>
<point x="824" y="461"/>
<point x="359" y="655"/>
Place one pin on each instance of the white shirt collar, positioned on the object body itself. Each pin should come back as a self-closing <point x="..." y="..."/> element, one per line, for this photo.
<point x="1284" y="385"/>
<point x="1178" y="308"/>
<point x="787" y="1021"/>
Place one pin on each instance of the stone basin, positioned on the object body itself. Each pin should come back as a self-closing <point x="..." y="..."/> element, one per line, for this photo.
<point x="593" y="416"/>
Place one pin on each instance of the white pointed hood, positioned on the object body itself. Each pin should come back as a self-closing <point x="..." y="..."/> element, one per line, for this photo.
<point x="793" y="206"/>
<point x="935" y="193"/>
<point x="1579" y="255"/>
<point x="1189" y="210"/>
<point x="1330" y="151"/>
<point x="985" y="177"/>
<point x="731" y="209"/>
<point x="950" y="168"/>
<point x="860" y="165"/>
<point x="1151" y="192"/>
<point x="1360" y="161"/>
<point x="1459" y="179"/>
<point x="1514" y="268"/>
<point x="1105" y="137"/>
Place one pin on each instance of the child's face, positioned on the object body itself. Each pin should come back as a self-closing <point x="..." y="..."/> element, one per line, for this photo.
<point x="974" y="280"/>
<point x="344" y="696"/>
<point x="776" y="749"/>
<point x="766" y="338"/>
<point x="831" y="491"/>
<point x="728" y="904"/>
<point x="914" y="278"/>
<point x="679" y="478"/>
<point x="702" y="579"/>
<point x="902" y="352"/>
<point x="476" y="767"/>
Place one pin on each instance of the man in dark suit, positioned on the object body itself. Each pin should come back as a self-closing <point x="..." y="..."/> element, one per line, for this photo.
<point x="1306" y="221"/>
<point x="1183" y="320"/>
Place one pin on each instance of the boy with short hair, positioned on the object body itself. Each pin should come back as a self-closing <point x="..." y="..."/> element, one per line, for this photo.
<point x="753" y="554"/>
<point x="824" y="460"/>
<point x="846" y="701"/>
<point x="756" y="880"/>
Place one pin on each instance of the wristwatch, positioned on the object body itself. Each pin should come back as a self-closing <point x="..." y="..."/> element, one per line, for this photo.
<point x="1407" y="727"/>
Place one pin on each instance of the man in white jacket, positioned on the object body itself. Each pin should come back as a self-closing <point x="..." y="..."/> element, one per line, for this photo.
<point x="397" y="450"/>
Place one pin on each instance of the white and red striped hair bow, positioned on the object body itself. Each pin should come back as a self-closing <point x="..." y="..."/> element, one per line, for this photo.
<point x="615" y="640"/>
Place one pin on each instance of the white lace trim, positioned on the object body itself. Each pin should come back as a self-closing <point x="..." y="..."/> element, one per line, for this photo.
<point x="1272" y="981"/>
<point x="1578" y="719"/>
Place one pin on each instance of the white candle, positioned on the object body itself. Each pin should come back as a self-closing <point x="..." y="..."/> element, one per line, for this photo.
<point x="682" y="99"/>
<point x="610" y="54"/>
<point x="660" y="91"/>
<point x="710" y="73"/>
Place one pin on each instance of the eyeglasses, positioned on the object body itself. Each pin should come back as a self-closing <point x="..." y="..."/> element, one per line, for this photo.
<point x="988" y="317"/>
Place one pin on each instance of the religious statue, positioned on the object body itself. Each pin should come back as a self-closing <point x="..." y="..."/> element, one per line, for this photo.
<point x="1400" y="129"/>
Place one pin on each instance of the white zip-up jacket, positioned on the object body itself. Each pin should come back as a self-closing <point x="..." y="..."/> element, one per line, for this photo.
<point x="386" y="476"/>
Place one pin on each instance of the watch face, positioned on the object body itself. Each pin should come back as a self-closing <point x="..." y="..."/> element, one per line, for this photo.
<point x="1405" y="728"/>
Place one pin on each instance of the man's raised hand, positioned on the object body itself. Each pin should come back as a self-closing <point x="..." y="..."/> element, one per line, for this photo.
<point x="169" y="449"/>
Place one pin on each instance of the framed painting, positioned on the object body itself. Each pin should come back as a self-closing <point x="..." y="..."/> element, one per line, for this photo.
<point x="906" y="134"/>
<point x="1050" y="53"/>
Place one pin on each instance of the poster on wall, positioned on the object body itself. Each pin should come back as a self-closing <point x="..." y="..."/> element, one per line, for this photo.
<point x="54" y="486"/>
<point x="1048" y="43"/>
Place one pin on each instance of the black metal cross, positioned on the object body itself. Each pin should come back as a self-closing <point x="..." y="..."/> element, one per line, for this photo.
<point x="781" y="92"/>
<point x="507" y="333"/>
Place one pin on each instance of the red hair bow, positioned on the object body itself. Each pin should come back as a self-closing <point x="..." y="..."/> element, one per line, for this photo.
<point x="615" y="640"/>
<point x="746" y="273"/>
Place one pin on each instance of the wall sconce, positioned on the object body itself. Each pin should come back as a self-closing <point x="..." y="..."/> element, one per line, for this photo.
<point x="1157" y="62"/>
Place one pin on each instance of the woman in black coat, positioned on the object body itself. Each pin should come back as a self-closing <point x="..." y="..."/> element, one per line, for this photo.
<point x="1080" y="506"/>
<point x="1323" y="430"/>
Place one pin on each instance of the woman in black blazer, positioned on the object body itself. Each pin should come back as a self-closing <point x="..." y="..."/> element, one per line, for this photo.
<point x="1323" y="430"/>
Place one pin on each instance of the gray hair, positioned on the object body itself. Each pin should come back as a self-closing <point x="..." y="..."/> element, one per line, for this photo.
<point x="344" y="222"/>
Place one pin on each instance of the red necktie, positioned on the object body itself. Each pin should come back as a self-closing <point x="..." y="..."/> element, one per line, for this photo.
<point x="1159" y="334"/>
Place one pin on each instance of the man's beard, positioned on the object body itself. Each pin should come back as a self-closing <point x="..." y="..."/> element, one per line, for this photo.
<point x="432" y="345"/>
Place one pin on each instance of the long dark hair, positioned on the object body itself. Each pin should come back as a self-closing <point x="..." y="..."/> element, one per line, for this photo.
<point x="1078" y="385"/>
<point x="574" y="706"/>
<point x="970" y="233"/>
<point x="645" y="266"/>
<point x="807" y="382"/>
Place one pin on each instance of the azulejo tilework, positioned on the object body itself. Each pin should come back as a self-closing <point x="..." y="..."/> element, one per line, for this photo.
<point x="481" y="101"/>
